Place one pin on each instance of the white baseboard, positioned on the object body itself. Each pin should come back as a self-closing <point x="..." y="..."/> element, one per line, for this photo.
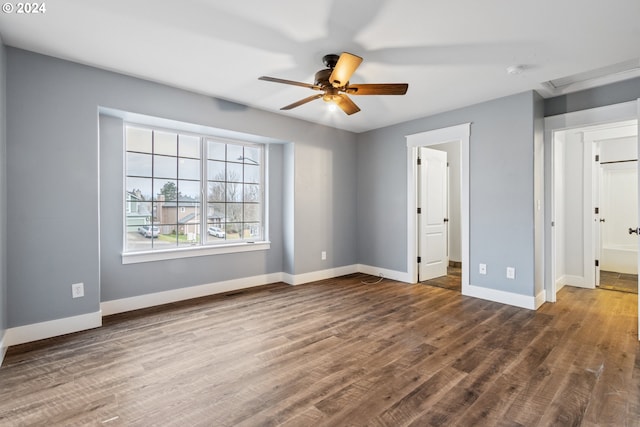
<point x="3" y="347"/>
<point x="174" y="295"/>
<point x="38" y="331"/>
<point x="299" y="279"/>
<point x="389" y="274"/>
<point x="567" y="279"/>
<point x="52" y="328"/>
<point x="509" y="298"/>
<point x="541" y="298"/>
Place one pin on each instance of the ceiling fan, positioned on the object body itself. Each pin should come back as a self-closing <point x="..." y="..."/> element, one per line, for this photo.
<point x="333" y="82"/>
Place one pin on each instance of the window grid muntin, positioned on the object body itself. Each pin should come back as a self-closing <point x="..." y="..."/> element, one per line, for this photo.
<point x="254" y="228"/>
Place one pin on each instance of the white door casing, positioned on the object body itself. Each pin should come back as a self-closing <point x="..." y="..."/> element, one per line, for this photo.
<point x="459" y="133"/>
<point x="433" y="240"/>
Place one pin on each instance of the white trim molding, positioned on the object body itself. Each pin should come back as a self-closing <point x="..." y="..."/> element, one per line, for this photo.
<point x="299" y="279"/>
<point x="188" y="252"/>
<point x="400" y="276"/>
<point x="517" y="300"/>
<point x="52" y="328"/>
<point x="165" y="297"/>
<point x="3" y="347"/>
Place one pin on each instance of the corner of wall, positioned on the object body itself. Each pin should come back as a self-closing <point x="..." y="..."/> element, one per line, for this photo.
<point x="3" y="200"/>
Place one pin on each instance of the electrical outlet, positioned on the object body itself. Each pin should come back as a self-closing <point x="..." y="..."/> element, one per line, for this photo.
<point x="77" y="290"/>
<point x="511" y="273"/>
<point x="323" y="255"/>
<point x="482" y="269"/>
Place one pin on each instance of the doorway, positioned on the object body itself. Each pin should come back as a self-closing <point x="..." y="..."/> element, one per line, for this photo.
<point x="617" y="197"/>
<point x="570" y="251"/>
<point x="455" y="140"/>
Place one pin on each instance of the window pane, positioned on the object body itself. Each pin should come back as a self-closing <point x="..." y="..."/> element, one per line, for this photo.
<point x="137" y="209"/>
<point x="135" y="241"/>
<point x="232" y="230"/>
<point x="189" y="146"/>
<point x="189" y="191"/>
<point x="165" y="167"/>
<point x="216" y="150"/>
<point x="166" y="188"/>
<point x="216" y="213"/>
<point x="255" y="230"/>
<point x="138" y="139"/>
<point x="139" y="164"/>
<point x="216" y="192"/>
<point x="165" y="143"/>
<point x="252" y="213"/>
<point x="138" y="188"/>
<point x="189" y="169"/>
<point x="188" y="224"/>
<point x="252" y="155"/>
<point x="234" y="192"/>
<point x="234" y="153"/>
<point x="234" y="212"/>
<point x="234" y="172"/>
<point x="251" y="173"/>
<point x="251" y="193"/>
<point x="216" y="171"/>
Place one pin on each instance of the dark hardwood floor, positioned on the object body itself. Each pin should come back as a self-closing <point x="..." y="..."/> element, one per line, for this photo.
<point x="452" y="281"/>
<point x="619" y="281"/>
<point x="337" y="353"/>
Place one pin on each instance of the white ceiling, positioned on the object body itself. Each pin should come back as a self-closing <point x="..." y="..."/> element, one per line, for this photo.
<point x="452" y="53"/>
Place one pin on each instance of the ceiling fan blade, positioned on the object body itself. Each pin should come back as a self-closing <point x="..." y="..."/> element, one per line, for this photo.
<point x="378" y="89"/>
<point x="344" y="69"/>
<point x="302" y="101"/>
<point x="289" y="82"/>
<point x="346" y="104"/>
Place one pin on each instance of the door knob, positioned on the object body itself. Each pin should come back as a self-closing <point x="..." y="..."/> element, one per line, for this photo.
<point x="633" y="230"/>
<point x="601" y="219"/>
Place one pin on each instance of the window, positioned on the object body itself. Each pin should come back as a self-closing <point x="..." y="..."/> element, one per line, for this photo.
<point x="190" y="191"/>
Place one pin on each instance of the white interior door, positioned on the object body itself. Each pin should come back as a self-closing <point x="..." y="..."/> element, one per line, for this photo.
<point x="433" y="238"/>
<point x="619" y="204"/>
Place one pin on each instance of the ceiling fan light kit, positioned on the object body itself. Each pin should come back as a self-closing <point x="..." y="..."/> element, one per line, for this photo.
<point x="333" y="82"/>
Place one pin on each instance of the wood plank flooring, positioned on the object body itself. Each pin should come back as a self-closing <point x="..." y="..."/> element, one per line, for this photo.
<point x="338" y="353"/>
<point x="619" y="281"/>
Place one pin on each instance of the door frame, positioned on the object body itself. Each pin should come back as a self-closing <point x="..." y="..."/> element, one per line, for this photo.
<point x="562" y="122"/>
<point x="460" y="133"/>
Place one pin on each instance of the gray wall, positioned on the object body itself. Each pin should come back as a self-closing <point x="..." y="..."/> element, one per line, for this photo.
<point x="501" y="191"/>
<point x="3" y="193"/>
<point x="53" y="202"/>
<point x="614" y="93"/>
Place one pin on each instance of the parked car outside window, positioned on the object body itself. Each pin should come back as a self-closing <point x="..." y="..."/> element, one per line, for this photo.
<point x="216" y="232"/>
<point x="149" y="231"/>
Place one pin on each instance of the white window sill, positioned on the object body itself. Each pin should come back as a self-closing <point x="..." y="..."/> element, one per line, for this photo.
<point x="137" y="257"/>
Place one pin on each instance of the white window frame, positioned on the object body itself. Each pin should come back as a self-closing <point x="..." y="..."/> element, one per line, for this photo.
<point x="203" y="248"/>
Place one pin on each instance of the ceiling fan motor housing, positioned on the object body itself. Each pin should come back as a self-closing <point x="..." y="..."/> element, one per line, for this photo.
<point x="322" y="77"/>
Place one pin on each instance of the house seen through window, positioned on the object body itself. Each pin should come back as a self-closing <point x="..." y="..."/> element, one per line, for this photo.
<point x="186" y="190"/>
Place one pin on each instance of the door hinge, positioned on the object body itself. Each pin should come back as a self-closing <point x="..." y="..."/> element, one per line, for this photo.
<point x="597" y="263"/>
<point x="597" y="210"/>
<point x="419" y="260"/>
<point x="597" y="157"/>
<point x="419" y="161"/>
<point x="419" y="210"/>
